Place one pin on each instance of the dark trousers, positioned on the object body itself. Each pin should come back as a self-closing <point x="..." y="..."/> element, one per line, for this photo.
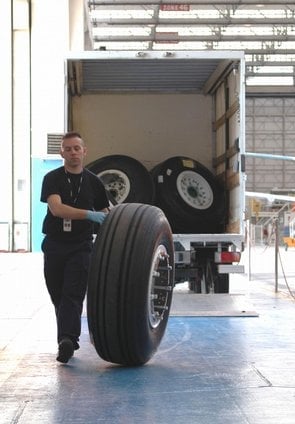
<point x="66" y="272"/>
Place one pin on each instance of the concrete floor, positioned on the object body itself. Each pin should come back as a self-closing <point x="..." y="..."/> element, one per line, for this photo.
<point x="208" y="369"/>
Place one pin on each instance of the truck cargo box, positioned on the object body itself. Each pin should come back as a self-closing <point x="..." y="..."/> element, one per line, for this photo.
<point x="167" y="128"/>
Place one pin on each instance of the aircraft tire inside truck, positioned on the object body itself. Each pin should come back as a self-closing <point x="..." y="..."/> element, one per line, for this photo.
<point x="125" y="178"/>
<point x="189" y="195"/>
<point x="130" y="284"/>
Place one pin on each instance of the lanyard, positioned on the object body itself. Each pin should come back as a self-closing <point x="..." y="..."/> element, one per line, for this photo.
<point x="74" y="200"/>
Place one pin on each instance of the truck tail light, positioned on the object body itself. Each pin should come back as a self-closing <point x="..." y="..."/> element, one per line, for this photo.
<point x="227" y="257"/>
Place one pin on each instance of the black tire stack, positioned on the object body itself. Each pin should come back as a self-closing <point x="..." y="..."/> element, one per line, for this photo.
<point x="186" y="191"/>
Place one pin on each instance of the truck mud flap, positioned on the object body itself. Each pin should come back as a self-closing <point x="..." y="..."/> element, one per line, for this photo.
<point x="190" y="196"/>
<point x="130" y="284"/>
<point x="125" y="178"/>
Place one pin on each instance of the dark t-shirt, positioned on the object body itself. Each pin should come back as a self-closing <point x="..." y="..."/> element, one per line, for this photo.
<point x="82" y="191"/>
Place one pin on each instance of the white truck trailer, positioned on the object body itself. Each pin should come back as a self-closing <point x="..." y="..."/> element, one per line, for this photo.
<point x="167" y="128"/>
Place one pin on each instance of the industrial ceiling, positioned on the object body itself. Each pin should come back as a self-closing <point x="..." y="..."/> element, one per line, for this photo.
<point x="265" y="31"/>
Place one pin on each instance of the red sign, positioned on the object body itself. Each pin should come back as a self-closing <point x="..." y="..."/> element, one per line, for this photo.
<point x="175" y="7"/>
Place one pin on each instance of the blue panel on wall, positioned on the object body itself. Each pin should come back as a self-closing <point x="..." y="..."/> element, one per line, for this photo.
<point x="40" y="167"/>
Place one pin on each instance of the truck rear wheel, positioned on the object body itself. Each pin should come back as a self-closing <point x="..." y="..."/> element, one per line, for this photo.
<point x="125" y="178"/>
<point x="221" y="283"/>
<point x="130" y="284"/>
<point x="215" y="282"/>
<point x="189" y="195"/>
<point x="207" y="279"/>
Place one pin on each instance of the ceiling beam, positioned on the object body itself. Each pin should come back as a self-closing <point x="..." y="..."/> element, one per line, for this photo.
<point x="263" y="91"/>
<point x="175" y="37"/>
<point x="270" y="74"/>
<point x="92" y="4"/>
<point x="265" y="62"/>
<point x="268" y="51"/>
<point x="195" y="21"/>
<point x="250" y="51"/>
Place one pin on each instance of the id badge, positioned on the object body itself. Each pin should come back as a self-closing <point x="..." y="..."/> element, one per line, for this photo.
<point x="67" y="225"/>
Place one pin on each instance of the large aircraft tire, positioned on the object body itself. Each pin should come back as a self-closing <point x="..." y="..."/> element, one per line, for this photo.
<point x="125" y="178"/>
<point x="130" y="284"/>
<point x="190" y="196"/>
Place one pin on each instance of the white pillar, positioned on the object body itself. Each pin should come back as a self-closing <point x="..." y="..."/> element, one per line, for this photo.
<point x="50" y="44"/>
<point x="77" y="27"/>
<point x="6" y="124"/>
<point x="21" y="125"/>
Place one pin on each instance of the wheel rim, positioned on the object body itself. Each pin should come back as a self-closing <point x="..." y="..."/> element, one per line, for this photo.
<point x="117" y="183"/>
<point x="194" y="190"/>
<point x="159" y="286"/>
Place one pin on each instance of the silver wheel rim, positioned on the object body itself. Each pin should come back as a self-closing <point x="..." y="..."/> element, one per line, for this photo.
<point x="117" y="183"/>
<point x="159" y="286"/>
<point x="194" y="190"/>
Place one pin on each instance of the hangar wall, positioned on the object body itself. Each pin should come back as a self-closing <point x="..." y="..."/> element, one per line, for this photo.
<point x="270" y="128"/>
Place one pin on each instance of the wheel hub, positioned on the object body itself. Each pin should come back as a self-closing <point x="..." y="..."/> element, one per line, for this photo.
<point x="117" y="183"/>
<point x="160" y="286"/>
<point x="194" y="190"/>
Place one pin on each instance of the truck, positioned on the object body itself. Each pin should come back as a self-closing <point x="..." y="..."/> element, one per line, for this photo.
<point x="167" y="128"/>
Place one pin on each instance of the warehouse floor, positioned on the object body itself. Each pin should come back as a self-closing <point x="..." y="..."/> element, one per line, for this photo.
<point x="226" y="364"/>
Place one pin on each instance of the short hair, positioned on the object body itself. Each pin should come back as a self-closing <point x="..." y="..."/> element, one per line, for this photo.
<point x="71" y="134"/>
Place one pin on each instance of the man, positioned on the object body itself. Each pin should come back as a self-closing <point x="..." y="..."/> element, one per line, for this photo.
<point x="76" y="199"/>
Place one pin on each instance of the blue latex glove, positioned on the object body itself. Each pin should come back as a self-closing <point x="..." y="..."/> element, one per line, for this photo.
<point x="97" y="217"/>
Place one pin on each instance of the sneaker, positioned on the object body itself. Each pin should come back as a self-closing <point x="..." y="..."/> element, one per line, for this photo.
<point x="65" y="350"/>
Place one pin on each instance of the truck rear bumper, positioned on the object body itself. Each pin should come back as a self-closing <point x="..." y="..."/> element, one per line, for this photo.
<point x="230" y="269"/>
<point x="207" y="239"/>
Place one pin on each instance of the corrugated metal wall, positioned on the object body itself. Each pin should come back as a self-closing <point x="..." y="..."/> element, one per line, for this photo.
<point x="270" y="128"/>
